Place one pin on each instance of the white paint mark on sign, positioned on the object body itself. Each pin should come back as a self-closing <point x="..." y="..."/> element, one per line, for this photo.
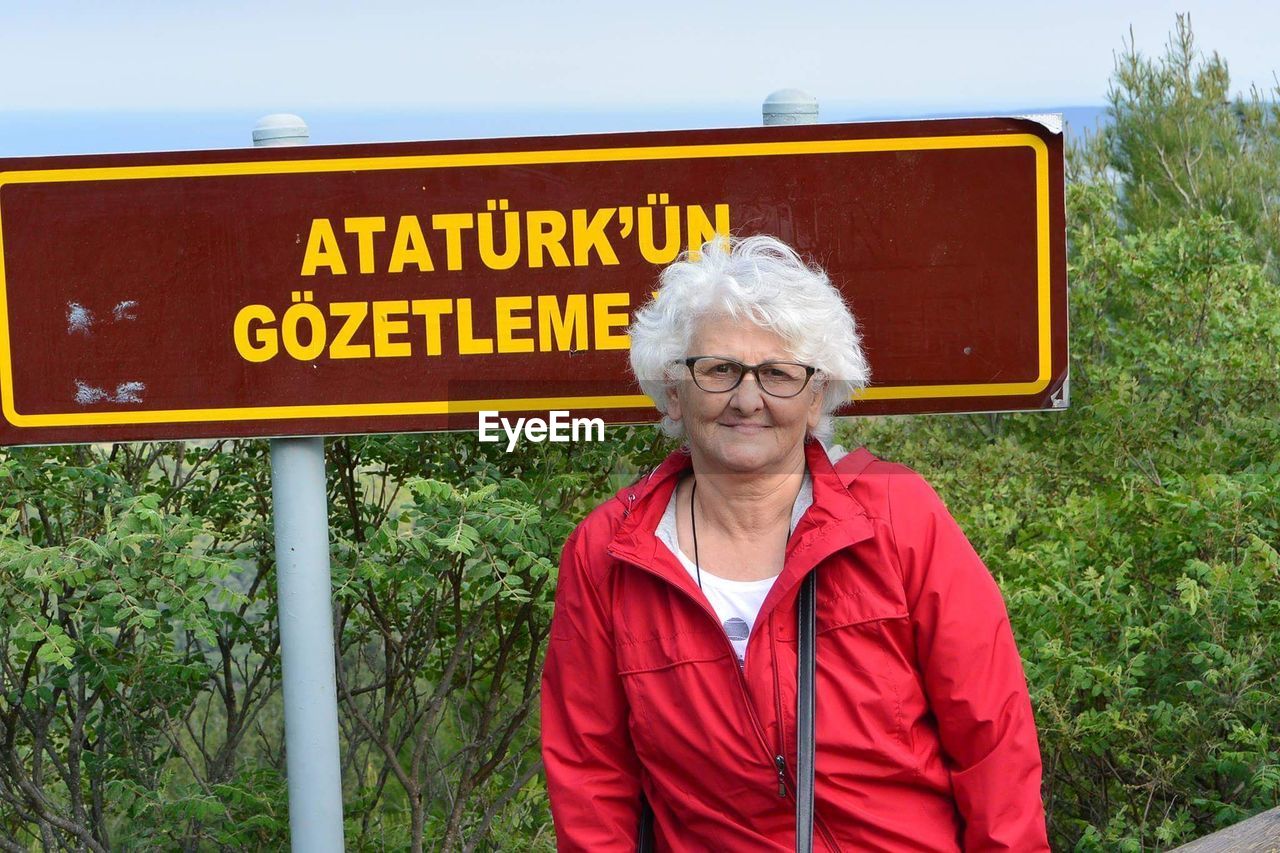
<point x="87" y="394"/>
<point x="126" y="392"/>
<point x="125" y="310"/>
<point x="79" y="318"/>
<point x="129" y="392"/>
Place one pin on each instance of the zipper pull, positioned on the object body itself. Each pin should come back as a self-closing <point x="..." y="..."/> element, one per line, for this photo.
<point x="781" y="764"/>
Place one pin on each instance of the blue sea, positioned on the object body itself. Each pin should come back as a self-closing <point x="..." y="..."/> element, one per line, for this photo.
<point x="33" y="133"/>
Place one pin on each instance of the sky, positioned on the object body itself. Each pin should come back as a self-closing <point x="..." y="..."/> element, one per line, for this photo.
<point x="133" y="75"/>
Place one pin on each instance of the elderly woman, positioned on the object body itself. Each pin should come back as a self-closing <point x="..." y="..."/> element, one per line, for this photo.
<point x="671" y="676"/>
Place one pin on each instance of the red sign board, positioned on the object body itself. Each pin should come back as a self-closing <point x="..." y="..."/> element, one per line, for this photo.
<point x="402" y="287"/>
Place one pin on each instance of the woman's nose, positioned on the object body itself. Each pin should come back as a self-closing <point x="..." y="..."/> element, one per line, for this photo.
<point x="748" y="397"/>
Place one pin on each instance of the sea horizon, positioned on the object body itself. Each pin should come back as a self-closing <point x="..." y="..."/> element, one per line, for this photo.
<point x="34" y="133"/>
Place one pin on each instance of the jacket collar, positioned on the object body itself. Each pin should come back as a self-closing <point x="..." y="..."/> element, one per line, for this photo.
<point x="835" y="521"/>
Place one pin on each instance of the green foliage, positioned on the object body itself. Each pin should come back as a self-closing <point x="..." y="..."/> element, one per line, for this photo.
<point x="1135" y="534"/>
<point x="444" y="572"/>
<point x="1182" y="146"/>
<point x="119" y="584"/>
<point x="140" y="649"/>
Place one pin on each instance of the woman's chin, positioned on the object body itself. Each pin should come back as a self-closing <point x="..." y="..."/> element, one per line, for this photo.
<point x="750" y="456"/>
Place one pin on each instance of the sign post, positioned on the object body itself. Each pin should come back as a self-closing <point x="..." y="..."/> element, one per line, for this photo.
<point x="788" y="107"/>
<point x="299" y="502"/>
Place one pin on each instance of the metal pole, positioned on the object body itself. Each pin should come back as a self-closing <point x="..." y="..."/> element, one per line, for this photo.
<point x="299" y="497"/>
<point x="790" y="106"/>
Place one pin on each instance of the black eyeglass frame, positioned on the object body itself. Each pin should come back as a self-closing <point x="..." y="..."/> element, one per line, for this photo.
<point x="754" y="369"/>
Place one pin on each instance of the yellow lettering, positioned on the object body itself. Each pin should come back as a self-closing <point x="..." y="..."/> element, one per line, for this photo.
<point x="355" y="312"/>
<point x="569" y="328"/>
<point x="468" y="343"/>
<point x="700" y="228"/>
<point x="511" y="234"/>
<point x="384" y="327"/>
<point x="508" y="324"/>
<point x="364" y="227"/>
<point x="260" y="344"/>
<point x="410" y="247"/>
<point x="453" y="224"/>
<point x="605" y="320"/>
<point x="431" y="310"/>
<point x="546" y="229"/>
<point x="645" y="231"/>
<point x="303" y="311"/>
<point x="591" y="235"/>
<point x="322" y="250"/>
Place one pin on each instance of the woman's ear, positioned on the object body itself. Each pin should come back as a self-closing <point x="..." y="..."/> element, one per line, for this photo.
<point x="814" y="415"/>
<point x="673" y="402"/>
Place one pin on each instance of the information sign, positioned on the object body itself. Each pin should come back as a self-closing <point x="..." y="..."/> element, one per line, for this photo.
<point x="397" y="287"/>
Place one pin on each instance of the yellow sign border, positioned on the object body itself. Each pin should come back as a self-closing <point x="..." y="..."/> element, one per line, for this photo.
<point x="524" y="158"/>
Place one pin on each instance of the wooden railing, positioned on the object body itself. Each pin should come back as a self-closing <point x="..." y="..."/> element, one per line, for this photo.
<point x="1258" y="834"/>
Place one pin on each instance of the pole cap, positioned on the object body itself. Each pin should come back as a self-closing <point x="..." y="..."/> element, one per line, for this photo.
<point x="280" y="129"/>
<point x="790" y="106"/>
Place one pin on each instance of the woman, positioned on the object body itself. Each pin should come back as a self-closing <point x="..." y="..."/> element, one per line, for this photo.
<point x="671" y="672"/>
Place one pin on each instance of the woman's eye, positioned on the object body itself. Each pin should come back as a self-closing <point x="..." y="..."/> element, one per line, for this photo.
<point x="721" y="369"/>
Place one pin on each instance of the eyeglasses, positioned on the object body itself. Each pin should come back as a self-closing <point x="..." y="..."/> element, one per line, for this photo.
<point x="718" y="375"/>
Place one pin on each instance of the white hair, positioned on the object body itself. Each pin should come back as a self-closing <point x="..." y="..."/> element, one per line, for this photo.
<point x="758" y="280"/>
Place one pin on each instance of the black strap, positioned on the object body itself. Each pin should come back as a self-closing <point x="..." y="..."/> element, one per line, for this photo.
<point x="807" y="614"/>
<point x="645" y="840"/>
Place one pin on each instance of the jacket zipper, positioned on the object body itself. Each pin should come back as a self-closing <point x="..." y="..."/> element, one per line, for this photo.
<point x="779" y="761"/>
<point x="777" y="699"/>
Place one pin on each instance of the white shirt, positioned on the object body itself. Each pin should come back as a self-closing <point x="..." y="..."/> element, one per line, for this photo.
<point x="736" y="603"/>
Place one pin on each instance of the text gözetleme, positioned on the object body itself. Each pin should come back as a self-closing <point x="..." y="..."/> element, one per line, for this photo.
<point x="307" y="329"/>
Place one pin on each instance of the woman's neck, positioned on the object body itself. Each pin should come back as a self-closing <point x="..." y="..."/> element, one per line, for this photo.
<point x="741" y="504"/>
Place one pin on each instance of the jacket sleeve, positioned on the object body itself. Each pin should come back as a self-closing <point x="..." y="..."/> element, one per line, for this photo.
<point x="593" y="776"/>
<point x="972" y="673"/>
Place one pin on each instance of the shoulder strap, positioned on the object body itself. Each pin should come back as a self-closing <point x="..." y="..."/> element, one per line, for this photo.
<point x="807" y="611"/>
<point x="645" y="837"/>
<point x="848" y="467"/>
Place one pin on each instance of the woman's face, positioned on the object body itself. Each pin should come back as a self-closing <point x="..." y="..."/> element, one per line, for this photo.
<point x="744" y="430"/>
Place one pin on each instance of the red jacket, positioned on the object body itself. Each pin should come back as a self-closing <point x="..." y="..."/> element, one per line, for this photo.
<point x="925" y="739"/>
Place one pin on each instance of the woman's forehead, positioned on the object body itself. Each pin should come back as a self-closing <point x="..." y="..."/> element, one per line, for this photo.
<point x="722" y="335"/>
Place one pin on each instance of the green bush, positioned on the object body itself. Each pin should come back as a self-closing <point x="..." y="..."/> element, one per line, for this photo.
<point x="1134" y="535"/>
